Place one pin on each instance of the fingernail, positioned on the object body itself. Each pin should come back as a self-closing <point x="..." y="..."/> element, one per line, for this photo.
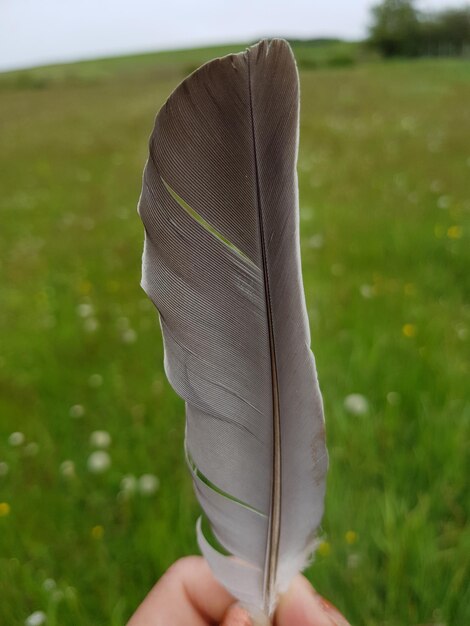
<point x="332" y="612"/>
<point x="237" y="616"/>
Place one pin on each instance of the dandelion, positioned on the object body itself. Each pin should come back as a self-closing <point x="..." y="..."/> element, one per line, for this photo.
<point x="36" y="619"/>
<point x="4" y="469"/>
<point x="306" y="214"/>
<point x="70" y="593"/>
<point x="85" y="309"/>
<point x="409" y="330"/>
<point x="454" y="232"/>
<point x="337" y="269"/>
<point x="100" y="439"/>
<point x="354" y="560"/>
<point x="129" y="336"/>
<point x="97" y="532"/>
<point x="367" y="291"/>
<point x="148" y="484"/>
<point x="356" y="404"/>
<point x="128" y="484"/>
<point x="98" y="462"/>
<point x="4" y="509"/>
<point x="16" y="439"/>
<point x="67" y="469"/>
<point x="443" y="202"/>
<point x="95" y="381"/>
<point x="351" y="537"/>
<point x="49" y="584"/>
<point x="77" y="410"/>
<point x="316" y="241"/>
<point x="122" y="323"/>
<point x="57" y="595"/>
<point x="324" y="548"/>
<point x="31" y="449"/>
<point x="393" y="398"/>
<point x="90" y="325"/>
<point x="157" y="386"/>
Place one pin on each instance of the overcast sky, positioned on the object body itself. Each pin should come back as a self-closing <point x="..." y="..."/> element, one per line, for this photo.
<point x="35" y="32"/>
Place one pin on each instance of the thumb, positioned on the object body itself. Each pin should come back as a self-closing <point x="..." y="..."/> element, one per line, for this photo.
<point x="302" y="606"/>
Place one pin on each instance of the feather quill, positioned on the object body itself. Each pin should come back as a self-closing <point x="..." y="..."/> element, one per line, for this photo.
<point x="221" y="263"/>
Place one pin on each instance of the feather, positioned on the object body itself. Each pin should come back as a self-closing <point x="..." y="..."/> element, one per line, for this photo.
<point x="221" y="263"/>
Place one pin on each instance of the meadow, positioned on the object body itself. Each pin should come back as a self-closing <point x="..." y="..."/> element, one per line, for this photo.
<point x="95" y="498"/>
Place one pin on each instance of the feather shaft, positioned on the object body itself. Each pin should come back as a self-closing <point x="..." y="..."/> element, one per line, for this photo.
<point x="272" y="544"/>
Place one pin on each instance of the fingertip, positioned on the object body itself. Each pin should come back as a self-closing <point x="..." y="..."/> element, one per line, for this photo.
<point x="302" y="606"/>
<point x="237" y="616"/>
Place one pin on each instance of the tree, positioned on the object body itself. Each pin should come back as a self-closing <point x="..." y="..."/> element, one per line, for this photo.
<point x="453" y="26"/>
<point x="395" y="30"/>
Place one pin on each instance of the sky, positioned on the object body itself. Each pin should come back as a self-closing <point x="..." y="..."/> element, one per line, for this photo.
<point x="38" y="32"/>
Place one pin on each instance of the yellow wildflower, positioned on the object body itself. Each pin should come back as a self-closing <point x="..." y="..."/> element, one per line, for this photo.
<point x="454" y="232"/>
<point x="324" y="548"/>
<point x="4" y="509"/>
<point x="97" y="532"/>
<point x="351" y="537"/>
<point x="409" y="330"/>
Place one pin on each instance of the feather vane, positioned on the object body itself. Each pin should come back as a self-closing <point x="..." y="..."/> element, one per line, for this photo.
<point x="221" y="263"/>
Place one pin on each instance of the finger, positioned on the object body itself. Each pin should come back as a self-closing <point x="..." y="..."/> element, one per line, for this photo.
<point x="236" y="616"/>
<point x="302" y="606"/>
<point x="187" y="595"/>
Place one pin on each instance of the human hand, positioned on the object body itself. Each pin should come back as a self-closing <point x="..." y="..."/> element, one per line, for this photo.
<point x="188" y="595"/>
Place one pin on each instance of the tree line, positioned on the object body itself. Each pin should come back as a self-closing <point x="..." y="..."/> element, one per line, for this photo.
<point x="398" y="28"/>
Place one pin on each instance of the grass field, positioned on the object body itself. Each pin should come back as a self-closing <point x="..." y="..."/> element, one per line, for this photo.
<point x="384" y="172"/>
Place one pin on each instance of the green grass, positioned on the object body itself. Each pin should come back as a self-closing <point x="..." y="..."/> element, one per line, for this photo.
<point x="384" y="168"/>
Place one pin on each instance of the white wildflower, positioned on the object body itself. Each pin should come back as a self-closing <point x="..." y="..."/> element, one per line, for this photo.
<point x="122" y="323"/>
<point x="85" y="309"/>
<point x="443" y="202"/>
<point x="356" y="404"/>
<point x="129" y="336"/>
<point x="67" y="468"/>
<point x="148" y="484"/>
<point x="16" y="439"/>
<point x="337" y="269"/>
<point x="36" y="619"/>
<point x="367" y="291"/>
<point x="90" y="325"/>
<point x="49" y="584"/>
<point x="316" y="241"/>
<point x="31" y="449"/>
<point x="4" y="469"/>
<point x="354" y="560"/>
<point x="95" y="380"/>
<point x="128" y="483"/>
<point x="393" y="398"/>
<point x="98" y="462"/>
<point x="77" y="410"/>
<point x="100" y="439"/>
<point x="306" y="214"/>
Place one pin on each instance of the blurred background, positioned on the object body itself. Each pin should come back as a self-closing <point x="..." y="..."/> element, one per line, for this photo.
<point x="95" y="498"/>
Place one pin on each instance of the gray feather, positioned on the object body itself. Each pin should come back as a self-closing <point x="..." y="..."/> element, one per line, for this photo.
<point x="221" y="263"/>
